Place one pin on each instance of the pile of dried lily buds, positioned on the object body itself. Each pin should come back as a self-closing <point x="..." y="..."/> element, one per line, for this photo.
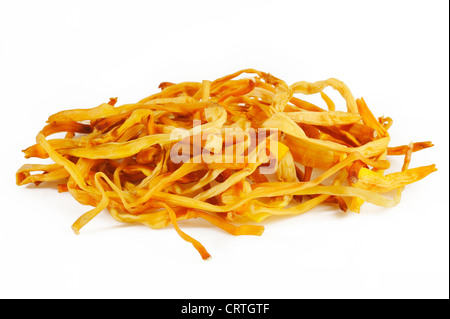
<point x="249" y="149"/>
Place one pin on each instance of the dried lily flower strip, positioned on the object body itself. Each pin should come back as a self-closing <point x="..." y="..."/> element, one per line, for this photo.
<point x="121" y="158"/>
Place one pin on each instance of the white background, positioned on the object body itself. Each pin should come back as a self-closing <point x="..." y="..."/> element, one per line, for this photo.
<point x="57" y="55"/>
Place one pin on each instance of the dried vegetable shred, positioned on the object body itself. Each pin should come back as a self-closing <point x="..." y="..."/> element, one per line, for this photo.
<point x="118" y="157"/>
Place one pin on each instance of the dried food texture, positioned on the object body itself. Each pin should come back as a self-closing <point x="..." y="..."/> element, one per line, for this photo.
<point x="126" y="158"/>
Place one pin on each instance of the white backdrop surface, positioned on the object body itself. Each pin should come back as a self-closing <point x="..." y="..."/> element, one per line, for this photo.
<point x="57" y="55"/>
